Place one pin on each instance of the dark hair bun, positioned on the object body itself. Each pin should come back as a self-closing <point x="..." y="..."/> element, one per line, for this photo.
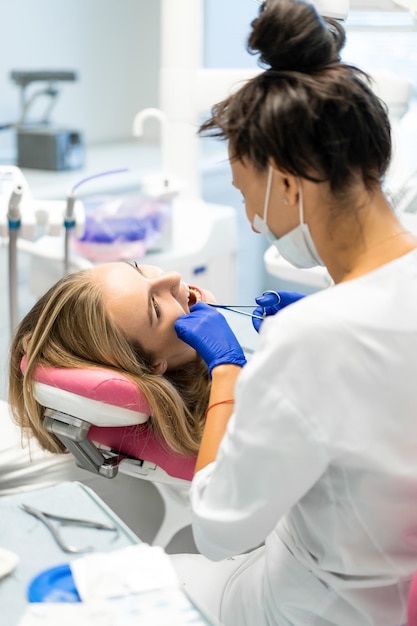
<point x="290" y="35"/>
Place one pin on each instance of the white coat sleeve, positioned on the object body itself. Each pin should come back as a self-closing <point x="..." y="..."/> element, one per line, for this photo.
<point x="270" y="456"/>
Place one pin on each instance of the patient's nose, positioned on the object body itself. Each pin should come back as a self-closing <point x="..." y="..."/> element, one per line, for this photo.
<point x="169" y="280"/>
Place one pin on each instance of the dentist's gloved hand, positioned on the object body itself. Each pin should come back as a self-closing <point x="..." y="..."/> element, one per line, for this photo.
<point x="206" y="330"/>
<point x="268" y="305"/>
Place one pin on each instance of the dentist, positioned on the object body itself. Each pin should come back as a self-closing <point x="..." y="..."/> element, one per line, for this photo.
<point x="304" y="499"/>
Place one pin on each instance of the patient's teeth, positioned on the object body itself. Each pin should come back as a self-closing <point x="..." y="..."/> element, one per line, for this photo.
<point x="194" y="296"/>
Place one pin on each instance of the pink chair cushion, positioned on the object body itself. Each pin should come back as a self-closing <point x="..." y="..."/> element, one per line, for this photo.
<point x="100" y="384"/>
<point x="412" y="603"/>
<point x="103" y="385"/>
<point x="141" y="442"/>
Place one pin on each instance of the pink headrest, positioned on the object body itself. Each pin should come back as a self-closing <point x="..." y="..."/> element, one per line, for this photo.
<point x="412" y="603"/>
<point x="139" y="441"/>
<point x="100" y="384"/>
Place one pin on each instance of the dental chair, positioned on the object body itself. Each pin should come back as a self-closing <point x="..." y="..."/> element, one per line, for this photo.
<point x="412" y="603"/>
<point x="102" y="418"/>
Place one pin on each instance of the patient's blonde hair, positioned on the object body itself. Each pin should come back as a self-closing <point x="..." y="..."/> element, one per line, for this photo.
<point x="69" y="327"/>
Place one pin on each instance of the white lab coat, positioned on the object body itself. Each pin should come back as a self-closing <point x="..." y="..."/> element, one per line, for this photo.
<point x="320" y="462"/>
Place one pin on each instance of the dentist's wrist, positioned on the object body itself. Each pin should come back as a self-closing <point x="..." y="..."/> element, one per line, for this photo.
<point x="225" y="371"/>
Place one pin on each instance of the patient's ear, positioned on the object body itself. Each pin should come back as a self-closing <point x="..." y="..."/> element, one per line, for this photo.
<point x="160" y="367"/>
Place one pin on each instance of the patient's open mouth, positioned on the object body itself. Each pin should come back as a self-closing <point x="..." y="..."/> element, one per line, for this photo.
<point x="194" y="296"/>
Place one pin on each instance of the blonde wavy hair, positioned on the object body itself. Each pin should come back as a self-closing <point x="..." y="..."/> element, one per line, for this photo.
<point x="70" y="327"/>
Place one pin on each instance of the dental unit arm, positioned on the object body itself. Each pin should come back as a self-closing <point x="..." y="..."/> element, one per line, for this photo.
<point x="49" y="214"/>
<point x="20" y="216"/>
<point x="14" y="222"/>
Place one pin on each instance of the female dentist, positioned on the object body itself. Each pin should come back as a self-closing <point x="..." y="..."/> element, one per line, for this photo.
<point x="308" y="464"/>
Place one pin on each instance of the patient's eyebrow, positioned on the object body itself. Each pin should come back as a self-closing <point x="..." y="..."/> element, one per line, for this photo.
<point x="136" y="267"/>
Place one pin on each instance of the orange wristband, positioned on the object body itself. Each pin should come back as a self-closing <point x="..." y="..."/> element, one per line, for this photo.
<point x="218" y="403"/>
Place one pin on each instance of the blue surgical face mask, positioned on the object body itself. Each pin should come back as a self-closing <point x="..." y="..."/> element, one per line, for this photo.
<point x="297" y="247"/>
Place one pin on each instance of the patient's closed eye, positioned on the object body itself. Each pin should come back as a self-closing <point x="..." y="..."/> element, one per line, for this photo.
<point x="155" y="305"/>
<point x="138" y="267"/>
<point x="156" y="308"/>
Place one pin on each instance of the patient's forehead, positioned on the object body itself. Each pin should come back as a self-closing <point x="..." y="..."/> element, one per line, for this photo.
<point x="116" y="280"/>
<point x="113" y="276"/>
<point x="107" y="270"/>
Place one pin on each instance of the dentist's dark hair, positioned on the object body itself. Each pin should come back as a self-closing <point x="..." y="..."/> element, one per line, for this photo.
<point x="313" y="115"/>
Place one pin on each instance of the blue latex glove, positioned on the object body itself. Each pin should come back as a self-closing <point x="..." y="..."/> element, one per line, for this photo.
<point x="268" y="304"/>
<point x="206" y="330"/>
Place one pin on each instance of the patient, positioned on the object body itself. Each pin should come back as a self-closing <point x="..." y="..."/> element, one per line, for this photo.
<point x="120" y="316"/>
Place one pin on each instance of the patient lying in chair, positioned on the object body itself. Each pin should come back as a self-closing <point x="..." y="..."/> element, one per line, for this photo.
<point x="120" y="317"/>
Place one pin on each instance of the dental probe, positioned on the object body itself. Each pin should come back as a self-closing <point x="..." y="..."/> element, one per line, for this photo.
<point x="273" y="299"/>
<point x="233" y="308"/>
<point x="46" y="517"/>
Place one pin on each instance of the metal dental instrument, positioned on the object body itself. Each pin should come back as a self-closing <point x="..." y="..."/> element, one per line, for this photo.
<point x="70" y="521"/>
<point x="235" y="309"/>
<point x="273" y="300"/>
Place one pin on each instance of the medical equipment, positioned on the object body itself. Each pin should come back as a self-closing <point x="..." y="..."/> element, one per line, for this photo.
<point x="69" y="217"/>
<point x="235" y="308"/>
<point x="46" y="214"/>
<point x="46" y="518"/>
<point x="39" y="145"/>
<point x="11" y="178"/>
<point x="14" y="221"/>
<point x="273" y="300"/>
<point x="20" y="215"/>
<point x="152" y="592"/>
<point x="69" y="223"/>
<point x="36" y="548"/>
